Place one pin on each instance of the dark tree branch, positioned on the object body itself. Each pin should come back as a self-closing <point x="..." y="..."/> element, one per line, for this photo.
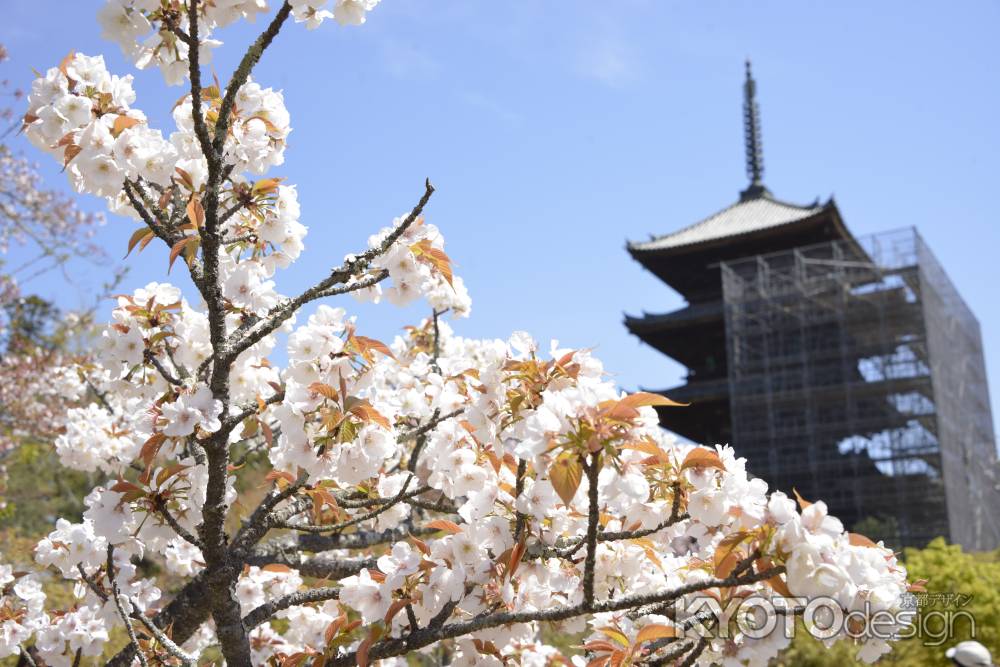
<point x="183" y="616"/>
<point x="520" y="520"/>
<point x="161" y="508"/>
<point x="194" y="72"/>
<point x="593" y="524"/>
<point x="692" y="657"/>
<point x="427" y="636"/>
<point x="321" y="567"/>
<point x="318" y="543"/>
<point x="161" y="369"/>
<point x="344" y="525"/>
<point x="242" y="73"/>
<point x="269" y="609"/>
<point x="244" y="338"/>
<point x="260" y="521"/>
<point x="232" y="422"/>
<point x="121" y="610"/>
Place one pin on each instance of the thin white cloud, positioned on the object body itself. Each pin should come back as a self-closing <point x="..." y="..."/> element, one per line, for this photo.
<point x="492" y="107"/>
<point x="405" y="61"/>
<point x="608" y="60"/>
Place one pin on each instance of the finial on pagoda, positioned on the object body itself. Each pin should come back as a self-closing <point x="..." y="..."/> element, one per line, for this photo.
<point x="752" y="140"/>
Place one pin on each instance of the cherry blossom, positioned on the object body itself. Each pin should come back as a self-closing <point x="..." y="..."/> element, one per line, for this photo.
<point x="433" y="490"/>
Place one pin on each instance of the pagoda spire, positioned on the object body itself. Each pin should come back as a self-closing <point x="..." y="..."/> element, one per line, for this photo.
<point x="752" y="139"/>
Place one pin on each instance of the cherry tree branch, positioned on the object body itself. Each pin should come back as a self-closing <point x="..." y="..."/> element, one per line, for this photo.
<point x="242" y="74"/>
<point x="331" y="568"/>
<point x="232" y="422"/>
<point x="161" y="508"/>
<point x="194" y="72"/>
<point x="430" y="635"/>
<point x="361" y="539"/>
<point x="161" y="369"/>
<point x="243" y="338"/>
<point x="593" y="517"/>
<point x="150" y="626"/>
<point x="121" y="610"/>
<point x="183" y="615"/>
<point x="262" y="613"/>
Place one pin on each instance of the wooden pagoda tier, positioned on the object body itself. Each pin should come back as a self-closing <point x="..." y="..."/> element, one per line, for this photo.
<point x="688" y="261"/>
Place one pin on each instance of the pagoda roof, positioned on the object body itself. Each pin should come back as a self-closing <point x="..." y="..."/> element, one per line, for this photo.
<point x="749" y="215"/>
<point x="680" y="318"/>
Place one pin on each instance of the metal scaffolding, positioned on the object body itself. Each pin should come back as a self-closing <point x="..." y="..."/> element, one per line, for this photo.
<point x="856" y="376"/>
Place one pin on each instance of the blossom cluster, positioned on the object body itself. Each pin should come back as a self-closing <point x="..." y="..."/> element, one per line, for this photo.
<point x="154" y="33"/>
<point x="418" y="266"/>
<point x="81" y="114"/>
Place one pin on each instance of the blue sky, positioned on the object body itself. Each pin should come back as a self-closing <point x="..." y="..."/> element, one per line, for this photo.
<point x="556" y="130"/>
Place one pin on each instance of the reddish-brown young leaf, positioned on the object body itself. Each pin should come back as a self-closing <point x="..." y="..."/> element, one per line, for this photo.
<point x="322" y="497"/>
<point x="445" y="525"/>
<point x="615" y="635"/>
<point x="644" y="398"/>
<point x="168" y="472"/>
<point x="324" y="390"/>
<point x="334" y="628"/>
<point x="803" y="503"/>
<point x="565" y="475"/>
<point x="72" y="150"/>
<point x="151" y="447"/>
<point x="729" y="545"/>
<point x="146" y="241"/>
<point x="271" y="127"/>
<point x="420" y="545"/>
<point x="191" y="250"/>
<point x="654" y="631"/>
<point x="395" y="608"/>
<point x="123" y="123"/>
<point x="725" y="562"/>
<point x="426" y="252"/>
<point x="649" y="549"/>
<point x="266" y="186"/>
<point x="779" y="586"/>
<point x="776" y="583"/>
<point x="367" y="413"/>
<point x="598" y="645"/>
<point x="516" y="554"/>
<point x="280" y="474"/>
<point x="64" y="63"/>
<point x="364" y="344"/>
<point x="859" y="540"/>
<point x="196" y="212"/>
<point x="122" y="486"/>
<point x="28" y="119"/>
<point x="137" y="236"/>
<point x="362" y="652"/>
<point x="165" y="197"/>
<point x="185" y="178"/>
<point x="177" y="249"/>
<point x="276" y="567"/>
<point x="294" y="660"/>
<point x="701" y="457"/>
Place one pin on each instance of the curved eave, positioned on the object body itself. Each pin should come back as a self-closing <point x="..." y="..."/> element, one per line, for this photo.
<point x="691" y="315"/>
<point x="640" y="253"/>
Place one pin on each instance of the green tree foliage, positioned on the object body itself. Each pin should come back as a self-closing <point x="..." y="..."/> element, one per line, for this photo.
<point x="948" y="571"/>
